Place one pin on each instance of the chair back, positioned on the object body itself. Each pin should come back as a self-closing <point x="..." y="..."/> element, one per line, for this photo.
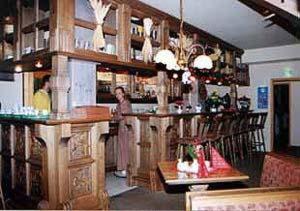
<point x="262" y="119"/>
<point x="253" y="120"/>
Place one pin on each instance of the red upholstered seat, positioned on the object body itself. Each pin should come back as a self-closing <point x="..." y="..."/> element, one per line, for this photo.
<point x="280" y="171"/>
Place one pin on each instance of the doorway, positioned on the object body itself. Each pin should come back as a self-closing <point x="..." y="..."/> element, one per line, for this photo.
<point x="285" y="116"/>
<point x="281" y="117"/>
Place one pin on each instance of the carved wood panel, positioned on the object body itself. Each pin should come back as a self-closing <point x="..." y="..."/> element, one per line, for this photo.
<point x="5" y="138"/>
<point x="174" y="136"/>
<point x="36" y="185"/>
<point x="20" y="177"/>
<point x="6" y="174"/>
<point x="79" y="145"/>
<point x="80" y="181"/>
<point x="145" y="147"/>
<point x="187" y="127"/>
<point x="20" y="141"/>
<point x="36" y="149"/>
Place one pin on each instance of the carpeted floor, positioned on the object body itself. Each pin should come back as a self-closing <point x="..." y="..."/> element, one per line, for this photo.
<point x="115" y="185"/>
<point x="143" y="199"/>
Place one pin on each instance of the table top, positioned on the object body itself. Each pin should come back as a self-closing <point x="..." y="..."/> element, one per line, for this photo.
<point x="173" y="177"/>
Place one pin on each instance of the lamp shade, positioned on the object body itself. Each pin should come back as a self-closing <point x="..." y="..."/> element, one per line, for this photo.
<point x="203" y="62"/>
<point x="167" y="58"/>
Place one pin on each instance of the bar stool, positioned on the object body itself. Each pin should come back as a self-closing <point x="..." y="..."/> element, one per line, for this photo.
<point x="222" y="131"/>
<point x="228" y="138"/>
<point x="260" y="142"/>
<point x="235" y="140"/>
<point x="243" y="135"/>
<point x="206" y="133"/>
<point x="253" y="122"/>
<point x="214" y="136"/>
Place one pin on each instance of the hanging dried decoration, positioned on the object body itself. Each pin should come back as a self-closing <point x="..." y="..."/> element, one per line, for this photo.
<point x="100" y="11"/>
<point x="147" y="46"/>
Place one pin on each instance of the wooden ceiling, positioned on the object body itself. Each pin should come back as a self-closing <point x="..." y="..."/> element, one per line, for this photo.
<point x="284" y="19"/>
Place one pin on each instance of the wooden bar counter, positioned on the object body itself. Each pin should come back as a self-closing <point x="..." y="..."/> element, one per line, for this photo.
<point x="54" y="164"/>
<point x="151" y="137"/>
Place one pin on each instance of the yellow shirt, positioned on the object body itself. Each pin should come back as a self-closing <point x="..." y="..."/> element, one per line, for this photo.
<point x="41" y="100"/>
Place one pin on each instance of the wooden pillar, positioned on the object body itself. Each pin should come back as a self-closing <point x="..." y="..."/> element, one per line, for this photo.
<point x="113" y="83"/>
<point x="233" y="87"/>
<point x="17" y="32"/>
<point x="162" y="92"/>
<point x="131" y="84"/>
<point x="164" y="34"/>
<point x="62" y="25"/>
<point x="28" y="89"/>
<point x="195" y="94"/>
<point x="123" y="38"/>
<point x="60" y="84"/>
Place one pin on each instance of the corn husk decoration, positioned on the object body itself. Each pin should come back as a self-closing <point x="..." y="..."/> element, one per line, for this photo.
<point x="100" y="11"/>
<point x="147" y="46"/>
<point x="217" y="53"/>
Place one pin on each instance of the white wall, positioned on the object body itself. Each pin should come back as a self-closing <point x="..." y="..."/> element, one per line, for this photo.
<point x="222" y="90"/>
<point x="295" y="113"/>
<point x="83" y="83"/>
<point x="11" y="92"/>
<point x="272" y="54"/>
<point x="266" y="64"/>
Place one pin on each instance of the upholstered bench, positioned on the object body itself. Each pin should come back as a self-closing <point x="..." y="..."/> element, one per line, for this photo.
<point x="280" y="190"/>
<point x="271" y="198"/>
<point x="280" y="171"/>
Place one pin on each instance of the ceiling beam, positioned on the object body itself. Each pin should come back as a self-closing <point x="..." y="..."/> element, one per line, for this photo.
<point x="282" y="18"/>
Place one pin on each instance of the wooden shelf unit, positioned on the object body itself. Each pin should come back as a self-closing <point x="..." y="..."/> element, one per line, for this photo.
<point x="42" y="24"/>
<point x="92" y="26"/>
<point x="124" y="10"/>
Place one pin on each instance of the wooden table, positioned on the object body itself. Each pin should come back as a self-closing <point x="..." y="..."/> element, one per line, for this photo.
<point x="173" y="177"/>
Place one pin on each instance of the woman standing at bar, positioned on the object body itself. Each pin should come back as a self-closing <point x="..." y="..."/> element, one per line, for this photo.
<point x="123" y="106"/>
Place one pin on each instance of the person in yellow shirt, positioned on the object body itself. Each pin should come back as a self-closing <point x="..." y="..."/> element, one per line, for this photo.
<point x="41" y="98"/>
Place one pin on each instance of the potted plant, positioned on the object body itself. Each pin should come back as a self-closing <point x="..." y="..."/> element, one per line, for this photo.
<point x="214" y="101"/>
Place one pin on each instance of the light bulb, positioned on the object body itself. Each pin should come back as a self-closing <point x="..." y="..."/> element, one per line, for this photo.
<point x="203" y="62"/>
<point x="192" y="78"/>
<point x="207" y="81"/>
<point x="18" y="68"/>
<point x="219" y="83"/>
<point x="175" y="75"/>
<point x="38" y="64"/>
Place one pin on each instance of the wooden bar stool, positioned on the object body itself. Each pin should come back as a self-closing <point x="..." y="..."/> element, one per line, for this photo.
<point x="240" y="138"/>
<point x="214" y="136"/>
<point x="244" y="130"/>
<point x="221" y="131"/>
<point x="260" y="131"/>
<point x="253" y="122"/>
<point x="235" y="133"/>
<point x="228" y="138"/>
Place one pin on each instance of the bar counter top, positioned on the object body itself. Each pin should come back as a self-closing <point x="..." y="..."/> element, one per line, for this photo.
<point x="50" y="121"/>
<point x="177" y="114"/>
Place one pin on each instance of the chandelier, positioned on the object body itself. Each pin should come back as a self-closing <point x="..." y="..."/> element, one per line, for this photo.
<point x="184" y="49"/>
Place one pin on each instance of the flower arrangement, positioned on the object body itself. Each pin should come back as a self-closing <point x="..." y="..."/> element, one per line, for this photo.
<point x="214" y="100"/>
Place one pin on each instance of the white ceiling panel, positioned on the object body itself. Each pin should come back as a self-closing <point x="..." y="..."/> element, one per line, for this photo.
<point x="229" y="20"/>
